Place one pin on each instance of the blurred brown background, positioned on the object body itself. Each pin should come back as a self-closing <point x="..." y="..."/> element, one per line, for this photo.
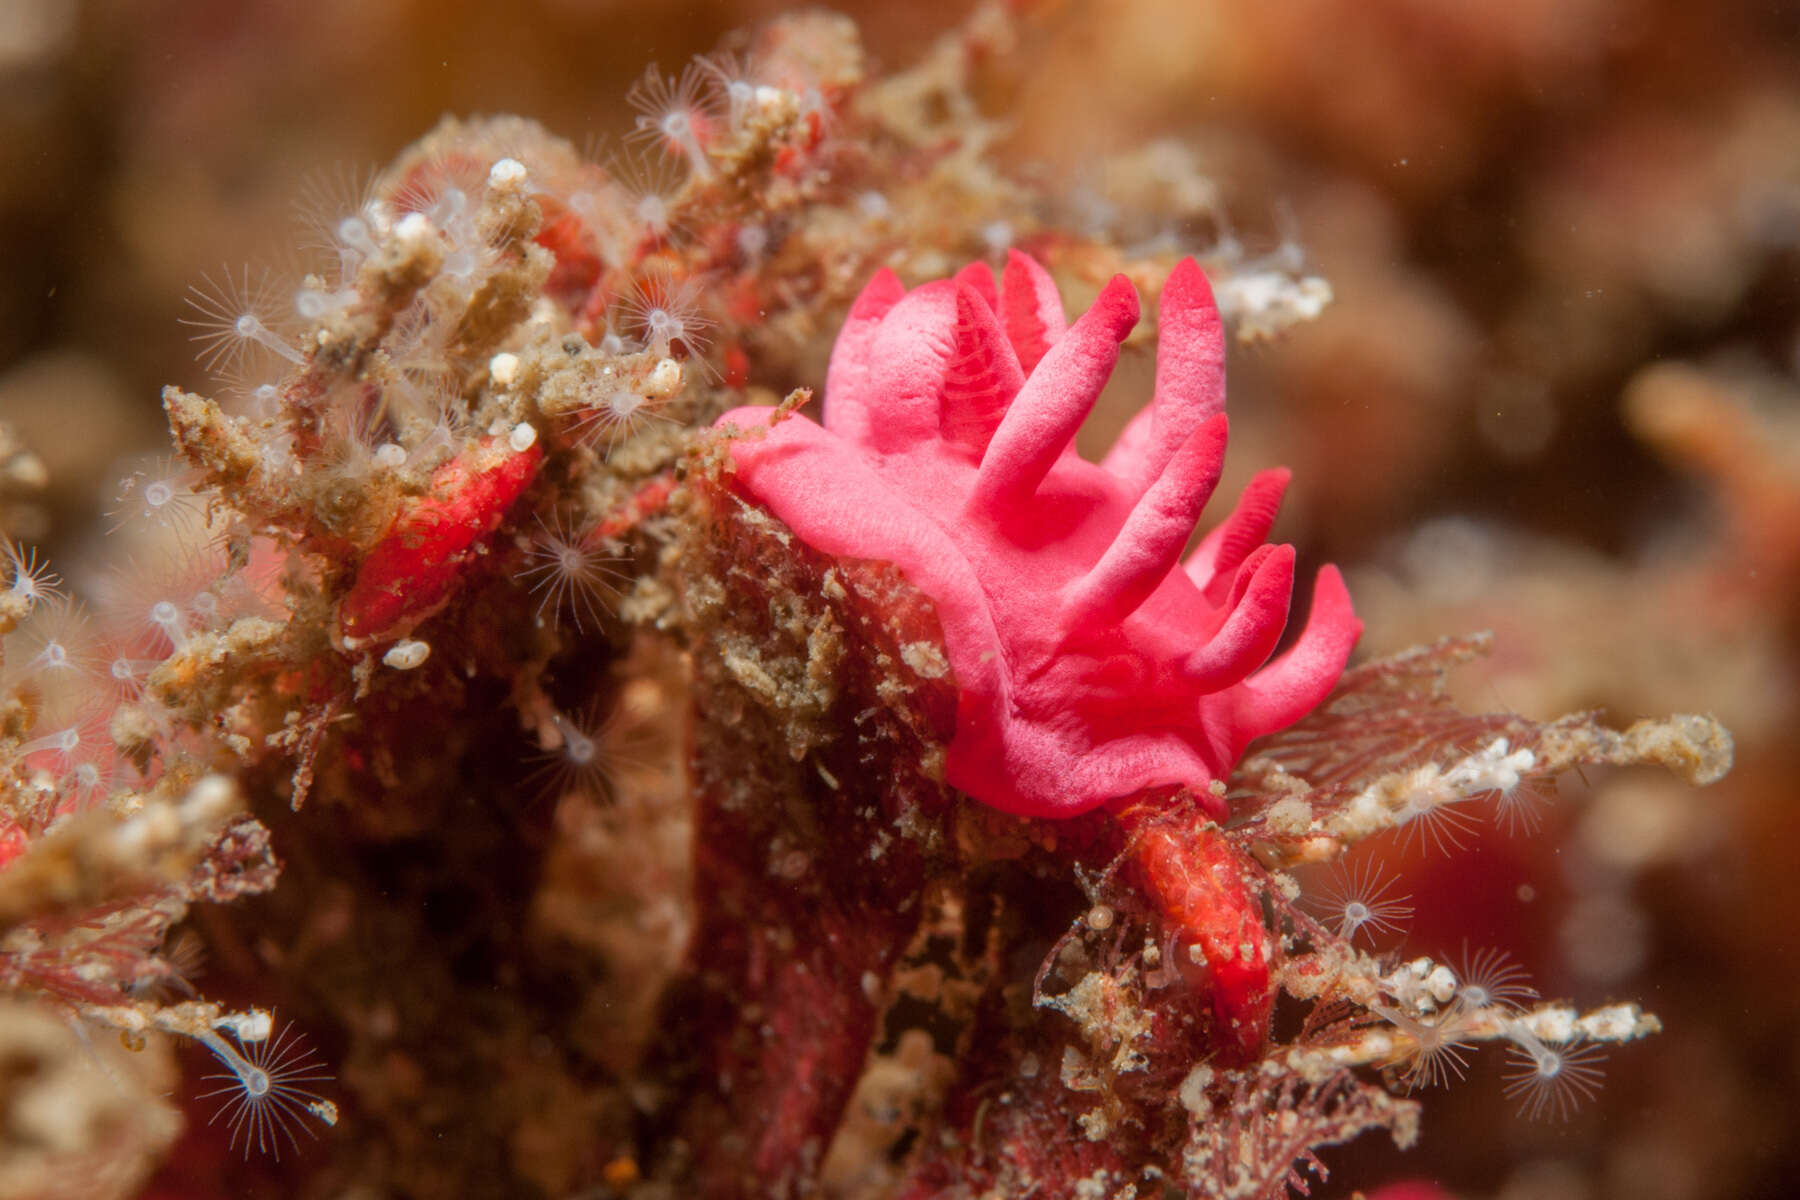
<point x="1556" y="395"/>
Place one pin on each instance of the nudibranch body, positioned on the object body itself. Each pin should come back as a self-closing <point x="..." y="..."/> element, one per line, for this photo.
<point x="1091" y="662"/>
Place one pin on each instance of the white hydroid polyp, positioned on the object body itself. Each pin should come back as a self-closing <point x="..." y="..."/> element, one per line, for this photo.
<point x="1359" y="898"/>
<point x="28" y="578"/>
<point x="675" y="113"/>
<point x="1489" y="977"/>
<point x="1552" y="1080"/>
<point x="569" y="572"/>
<point x="267" y="1090"/>
<point x="231" y="315"/>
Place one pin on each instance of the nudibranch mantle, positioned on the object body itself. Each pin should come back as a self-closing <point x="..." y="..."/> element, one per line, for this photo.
<point x="1092" y="662"/>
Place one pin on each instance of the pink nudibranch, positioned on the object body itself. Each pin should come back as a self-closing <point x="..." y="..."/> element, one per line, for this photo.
<point x="1091" y="662"/>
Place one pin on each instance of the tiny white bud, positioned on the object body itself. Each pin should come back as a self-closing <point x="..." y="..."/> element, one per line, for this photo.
<point x="503" y="368"/>
<point x="407" y="654"/>
<point x="413" y="227"/>
<point x="873" y="204"/>
<point x="209" y="801"/>
<point x="522" y="437"/>
<point x="1441" y="983"/>
<point x="665" y="379"/>
<point x="390" y="455"/>
<point x="752" y="240"/>
<point x="506" y="173"/>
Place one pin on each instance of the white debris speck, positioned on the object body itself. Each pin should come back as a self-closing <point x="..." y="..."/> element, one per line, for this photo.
<point x="414" y="227"/>
<point x="1490" y="770"/>
<point x="1192" y="1093"/>
<point x="1367" y="813"/>
<point x="1263" y="303"/>
<point x="1614" y="1023"/>
<point x="1551" y="1023"/>
<point x="1290" y="817"/>
<point x="407" y="654"/>
<point x="252" y="1026"/>
<point x="1097" y="1185"/>
<point x="925" y="659"/>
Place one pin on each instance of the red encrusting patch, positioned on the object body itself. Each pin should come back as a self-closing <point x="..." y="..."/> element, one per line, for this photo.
<point x="12" y="844"/>
<point x="416" y="566"/>
<point x="578" y="263"/>
<point x="1196" y="880"/>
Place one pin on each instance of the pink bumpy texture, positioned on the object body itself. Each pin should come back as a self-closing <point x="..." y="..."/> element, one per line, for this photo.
<point x="1091" y="663"/>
